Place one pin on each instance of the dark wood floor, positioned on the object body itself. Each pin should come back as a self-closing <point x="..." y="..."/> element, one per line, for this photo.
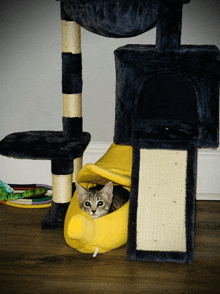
<point x="39" y="261"/>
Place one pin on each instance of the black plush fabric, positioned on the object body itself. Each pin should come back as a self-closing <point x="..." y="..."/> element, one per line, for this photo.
<point x="43" y="145"/>
<point x="72" y="127"/>
<point x="169" y="25"/>
<point x="63" y="14"/>
<point x="62" y="166"/>
<point x="182" y="257"/>
<point x="113" y="18"/>
<point x="71" y="73"/>
<point x="191" y="183"/>
<point x="167" y="97"/>
<point x="71" y="63"/>
<point x="72" y="84"/>
<point x="54" y="220"/>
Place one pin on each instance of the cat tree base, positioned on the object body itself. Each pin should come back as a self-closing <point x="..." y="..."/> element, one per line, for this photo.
<point x="54" y="220"/>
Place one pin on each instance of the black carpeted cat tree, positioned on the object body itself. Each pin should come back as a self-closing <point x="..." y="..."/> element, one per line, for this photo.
<point x="166" y="108"/>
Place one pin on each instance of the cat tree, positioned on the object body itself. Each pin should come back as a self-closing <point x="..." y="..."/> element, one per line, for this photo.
<point x="166" y="108"/>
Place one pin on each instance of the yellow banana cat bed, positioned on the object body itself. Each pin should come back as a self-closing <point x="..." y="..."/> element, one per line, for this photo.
<point x="86" y="234"/>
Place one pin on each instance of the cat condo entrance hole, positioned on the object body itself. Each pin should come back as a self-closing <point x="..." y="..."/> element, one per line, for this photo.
<point x="166" y="109"/>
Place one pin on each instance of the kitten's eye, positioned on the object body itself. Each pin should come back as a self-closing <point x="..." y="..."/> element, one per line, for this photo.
<point x="100" y="203"/>
<point x="87" y="204"/>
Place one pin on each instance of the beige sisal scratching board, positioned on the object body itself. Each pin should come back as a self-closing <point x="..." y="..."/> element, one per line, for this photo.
<point x="162" y="204"/>
<point x="161" y="200"/>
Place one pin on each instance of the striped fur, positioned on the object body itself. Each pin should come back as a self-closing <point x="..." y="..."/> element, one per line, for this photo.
<point x="101" y="200"/>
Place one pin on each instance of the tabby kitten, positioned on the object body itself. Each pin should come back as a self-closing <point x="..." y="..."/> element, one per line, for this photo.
<point x="101" y="200"/>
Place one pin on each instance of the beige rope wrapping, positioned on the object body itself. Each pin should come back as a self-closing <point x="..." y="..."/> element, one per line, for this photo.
<point x="71" y="37"/>
<point x="77" y="167"/>
<point x="72" y="105"/>
<point x="62" y="188"/>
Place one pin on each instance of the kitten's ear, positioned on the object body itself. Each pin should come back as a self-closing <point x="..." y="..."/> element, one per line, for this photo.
<point x="81" y="192"/>
<point x="108" y="190"/>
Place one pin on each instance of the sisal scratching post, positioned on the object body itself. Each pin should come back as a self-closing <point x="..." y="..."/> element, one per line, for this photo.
<point x="64" y="172"/>
<point x="72" y="101"/>
<point x="72" y="87"/>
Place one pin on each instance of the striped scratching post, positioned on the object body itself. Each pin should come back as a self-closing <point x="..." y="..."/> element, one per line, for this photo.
<point x="64" y="173"/>
<point x="72" y="101"/>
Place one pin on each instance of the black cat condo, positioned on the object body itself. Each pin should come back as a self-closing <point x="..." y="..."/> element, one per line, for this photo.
<point x="167" y="106"/>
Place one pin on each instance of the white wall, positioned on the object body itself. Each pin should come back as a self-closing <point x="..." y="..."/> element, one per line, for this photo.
<point x="30" y="78"/>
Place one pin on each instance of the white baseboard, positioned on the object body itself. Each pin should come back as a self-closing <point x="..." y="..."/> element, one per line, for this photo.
<point x="208" y="174"/>
<point x="208" y="196"/>
<point x="39" y="171"/>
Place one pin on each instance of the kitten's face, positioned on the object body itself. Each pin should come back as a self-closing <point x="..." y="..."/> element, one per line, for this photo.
<point x="96" y="203"/>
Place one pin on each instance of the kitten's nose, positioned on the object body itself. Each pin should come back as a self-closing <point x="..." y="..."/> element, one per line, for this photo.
<point x="93" y="211"/>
